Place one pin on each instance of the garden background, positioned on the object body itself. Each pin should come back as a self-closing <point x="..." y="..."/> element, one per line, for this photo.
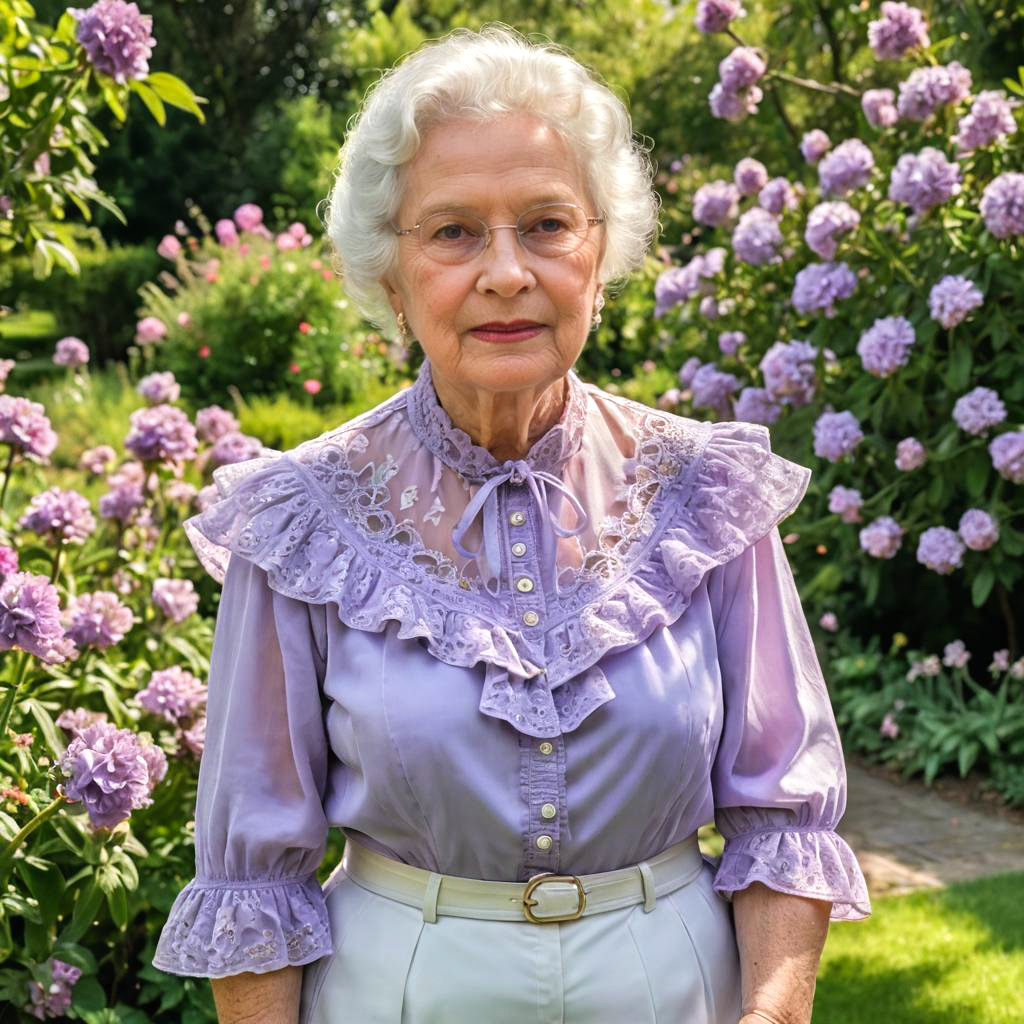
<point x="840" y="258"/>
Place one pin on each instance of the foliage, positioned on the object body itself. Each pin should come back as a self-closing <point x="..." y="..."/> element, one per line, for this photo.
<point x="251" y="316"/>
<point x="49" y="88"/>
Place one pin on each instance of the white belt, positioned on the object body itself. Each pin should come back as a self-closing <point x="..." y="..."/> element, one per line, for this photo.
<point x="545" y="898"/>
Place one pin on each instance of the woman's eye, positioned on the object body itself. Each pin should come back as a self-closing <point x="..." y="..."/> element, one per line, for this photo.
<point x="449" y="233"/>
<point x="549" y="226"/>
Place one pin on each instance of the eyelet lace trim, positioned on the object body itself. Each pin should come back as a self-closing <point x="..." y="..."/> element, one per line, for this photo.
<point x="701" y="493"/>
<point x="818" y="864"/>
<point x="433" y="426"/>
<point x="215" y="930"/>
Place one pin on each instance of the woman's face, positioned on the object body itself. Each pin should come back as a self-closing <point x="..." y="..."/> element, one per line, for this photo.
<point x="496" y="170"/>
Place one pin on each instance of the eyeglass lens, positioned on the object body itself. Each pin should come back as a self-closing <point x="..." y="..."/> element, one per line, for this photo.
<point x="551" y="230"/>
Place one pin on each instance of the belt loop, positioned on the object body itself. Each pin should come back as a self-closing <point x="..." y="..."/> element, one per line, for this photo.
<point x="430" y="897"/>
<point x="647" y="880"/>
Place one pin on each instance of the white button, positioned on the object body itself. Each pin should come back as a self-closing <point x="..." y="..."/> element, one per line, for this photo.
<point x="519" y="548"/>
<point x="546" y="748"/>
<point x="548" y="811"/>
<point x="524" y="584"/>
<point x="517" y="519"/>
<point x="544" y="842"/>
<point x="531" y="618"/>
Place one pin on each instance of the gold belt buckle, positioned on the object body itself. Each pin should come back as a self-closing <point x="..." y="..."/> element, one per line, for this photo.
<point x="549" y="876"/>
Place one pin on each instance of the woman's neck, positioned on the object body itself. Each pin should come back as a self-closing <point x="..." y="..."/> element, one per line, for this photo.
<point x="506" y="423"/>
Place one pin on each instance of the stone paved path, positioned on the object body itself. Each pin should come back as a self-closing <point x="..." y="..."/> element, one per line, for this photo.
<point x="908" y="838"/>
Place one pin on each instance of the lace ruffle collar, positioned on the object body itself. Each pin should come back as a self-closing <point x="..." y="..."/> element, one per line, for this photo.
<point x="454" y="447"/>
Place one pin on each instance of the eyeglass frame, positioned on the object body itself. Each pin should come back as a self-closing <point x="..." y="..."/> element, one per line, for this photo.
<point x="591" y="221"/>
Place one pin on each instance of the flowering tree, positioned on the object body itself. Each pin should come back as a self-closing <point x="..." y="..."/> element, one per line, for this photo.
<point x="868" y="310"/>
<point x="50" y="79"/>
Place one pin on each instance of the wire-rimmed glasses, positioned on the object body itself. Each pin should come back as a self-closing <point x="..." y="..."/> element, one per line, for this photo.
<point x="550" y="230"/>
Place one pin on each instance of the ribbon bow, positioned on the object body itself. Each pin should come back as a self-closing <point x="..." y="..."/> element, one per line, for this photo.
<point x="518" y="471"/>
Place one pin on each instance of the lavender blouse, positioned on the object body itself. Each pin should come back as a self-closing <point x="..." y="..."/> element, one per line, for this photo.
<point x="566" y="662"/>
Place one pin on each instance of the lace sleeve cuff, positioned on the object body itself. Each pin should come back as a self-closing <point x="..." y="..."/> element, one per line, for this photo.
<point x="217" y="929"/>
<point x="818" y="864"/>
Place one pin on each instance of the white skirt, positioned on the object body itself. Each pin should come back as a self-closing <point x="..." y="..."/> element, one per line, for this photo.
<point x="675" y="964"/>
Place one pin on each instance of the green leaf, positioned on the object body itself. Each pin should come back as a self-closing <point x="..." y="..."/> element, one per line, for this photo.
<point x="982" y="586"/>
<point x="87" y="996"/>
<point x="152" y="101"/>
<point x="958" y="373"/>
<point x="118" y="903"/>
<point x="88" y="902"/>
<point x="977" y="474"/>
<point x="47" y="726"/>
<point x="174" y="91"/>
<point x="111" y="97"/>
<point x="63" y="255"/>
<point x="967" y="756"/>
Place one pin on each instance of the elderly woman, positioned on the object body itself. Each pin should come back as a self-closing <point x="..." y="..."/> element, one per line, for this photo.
<point x="516" y="636"/>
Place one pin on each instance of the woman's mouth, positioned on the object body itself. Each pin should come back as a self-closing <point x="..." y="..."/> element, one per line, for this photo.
<point x="515" y="332"/>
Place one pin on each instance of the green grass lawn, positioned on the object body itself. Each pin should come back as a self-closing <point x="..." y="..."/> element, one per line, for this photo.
<point x="947" y="956"/>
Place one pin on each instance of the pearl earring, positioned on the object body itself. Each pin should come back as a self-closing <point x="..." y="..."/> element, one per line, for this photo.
<point x="598" y="306"/>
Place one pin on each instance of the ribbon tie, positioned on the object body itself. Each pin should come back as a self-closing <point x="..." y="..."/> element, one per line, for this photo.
<point x="518" y="471"/>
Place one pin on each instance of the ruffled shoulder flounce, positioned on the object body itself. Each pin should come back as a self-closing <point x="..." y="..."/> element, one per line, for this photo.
<point x="215" y="929"/>
<point x="725" y="489"/>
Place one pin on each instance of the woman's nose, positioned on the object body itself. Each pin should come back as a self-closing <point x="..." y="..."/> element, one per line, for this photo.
<point x="505" y="261"/>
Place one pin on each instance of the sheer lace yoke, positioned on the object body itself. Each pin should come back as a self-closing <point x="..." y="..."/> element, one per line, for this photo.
<point x="612" y="520"/>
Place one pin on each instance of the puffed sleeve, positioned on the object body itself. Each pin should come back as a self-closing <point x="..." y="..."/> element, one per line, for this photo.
<point x="255" y="903"/>
<point x="778" y="778"/>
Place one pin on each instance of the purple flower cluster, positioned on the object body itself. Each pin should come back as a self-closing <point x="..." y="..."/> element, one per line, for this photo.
<point x="750" y="176"/>
<point x="1007" y="452"/>
<point x="110" y="772"/>
<point x="952" y="298"/>
<point x="60" y="514"/>
<point x="161" y="433"/>
<point x="885" y="346"/>
<point x="159" y="387"/>
<point x="213" y="421"/>
<point x="117" y="39"/>
<point x="756" y="238"/>
<point x="173" y="694"/>
<point x="790" y="373"/>
<point x="956" y="655"/>
<point x="989" y="120"/>
<point x="777" y="196"/>
<point x="30" y="618"/>
<point x="736" y="93"/>
<point x="715" y="15"/>
<point x="177" y="599"/>
<point x="879" y="106"/>
<point x="716" y="202"/>
<point x="1002" y="206"/>
<point x="729" y="342"/>
<point x="924" y="180"/>
<point x="927" y="89"/>
<point x="836" y="434"/>
<point x="6" y="365"/>
<point x="826" y="224"/>
<point x="910" y="454"/>
<point x="821" y="286"/>
<point x="74" y="720"/>
<point x="8" y="561"/>
<point x="71" y="352"/>
<point x="846" y="168"/>
<point x="677" y="284"/>
<point x="901" y="28"/>
<point x="882" y="538"/>
<point x="755" y="405"/>
<point x="978" y="530"/>
<point x="98" y="619"/>
<point x="95" y="460"/>
<point x="194" y="739"/>
<point x="53" y="1000"/>
<point x="940" y="549"/>
<point x="180" y="492"/>
<point x="814" y="145"/>
<point x="234" y="447"/>
<point x="712" y="388"/>
<point x="846" y="503"/>
<point x="121" y="502"/>
<point x="24" y="425"/>
<point x="978" y="410"/>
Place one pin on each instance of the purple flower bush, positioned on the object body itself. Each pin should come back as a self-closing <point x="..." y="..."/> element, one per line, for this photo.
<point x="885" y="346"/>
<point x="814" y="145"/>
<point x="901" y="28"/>
<point x="117" y="38"/>
<point x="826" y="224"/>
<point x="953" y="298"/>
<point x="71" y="352"/>
<point x="757" y="237"/>
<point x="847" y="167"/>
<point x="923" y="180"/>
<point x="174" y="694"/>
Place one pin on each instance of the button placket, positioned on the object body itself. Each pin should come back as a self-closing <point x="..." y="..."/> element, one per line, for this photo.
<point x="543" y="784"/>
<point x="527" y="593"/>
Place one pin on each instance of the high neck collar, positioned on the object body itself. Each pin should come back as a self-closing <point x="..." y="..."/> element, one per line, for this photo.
<point x="456" y="448"/>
